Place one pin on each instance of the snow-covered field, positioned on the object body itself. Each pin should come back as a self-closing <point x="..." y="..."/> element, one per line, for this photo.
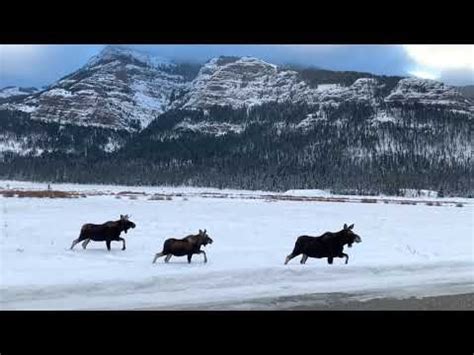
<point x="406" y="250"/>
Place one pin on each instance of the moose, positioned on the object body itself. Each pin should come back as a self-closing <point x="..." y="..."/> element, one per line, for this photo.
<point x="328" y="245"/>
<point x="107" y="232"/>
<point x="187" y="246"/>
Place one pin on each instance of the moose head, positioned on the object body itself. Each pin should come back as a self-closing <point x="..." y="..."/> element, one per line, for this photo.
<point x="350" y="235"/>
<point x="125" y="223"/>
<point x="205" y="237"/>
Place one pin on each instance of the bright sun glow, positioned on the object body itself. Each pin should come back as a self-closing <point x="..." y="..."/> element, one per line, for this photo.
<point x="424" y="74"/>
<point x="442" y="57"/>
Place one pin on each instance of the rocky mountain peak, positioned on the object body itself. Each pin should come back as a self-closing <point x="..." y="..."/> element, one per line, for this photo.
<point x="132" y="56"/>
<point x="119" y="88"/>
<point x="126" y="89"/>
<point x="430" y="92"/>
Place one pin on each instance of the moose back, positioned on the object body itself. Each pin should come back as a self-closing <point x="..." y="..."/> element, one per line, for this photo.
<point x="329" y="245"/>
<point x="187" y="246"/>
<point x="106" y="232"/>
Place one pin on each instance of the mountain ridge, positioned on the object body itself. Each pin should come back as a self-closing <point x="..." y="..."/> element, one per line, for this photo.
<point x="126" y="89"/>
<point x="125" y="107"/>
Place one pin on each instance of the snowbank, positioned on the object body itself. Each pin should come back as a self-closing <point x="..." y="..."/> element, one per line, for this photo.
<point x="308" y="193"/>
<point x="406" y="249"/>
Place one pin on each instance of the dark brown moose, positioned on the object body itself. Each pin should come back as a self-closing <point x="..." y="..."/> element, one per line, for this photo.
<point x="187" y="246"/>
<point x="106" y="232"/>
<point x="329" y="245"/>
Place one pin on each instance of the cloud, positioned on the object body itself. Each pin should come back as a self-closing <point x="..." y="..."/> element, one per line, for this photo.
<point x="442" y="56"/>
<point x="457" y="76"/>
<point x="38" y="65"/>
<point x="379" y="59"/>
<point x="452" y="64"/>
<point x="424" y="74"/>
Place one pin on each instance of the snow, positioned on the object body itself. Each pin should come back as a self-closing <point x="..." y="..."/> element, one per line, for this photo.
<point x="148" y="102"/>
<point x="419" y="193"/>
<point x="214" y="128"/>
<point x="250" y="81"/>
<point x="324" y="87"/>
<point x="110" y="189"/>
<point x="105" y="88"/>
<point x="428" y="92"/>
<point x="140" y="91"/>
<point x="308" y="193"/>
<point x="110" y="52"/>
<point x="383" y="117"/>
<point x="245" y="82"/>
<point x="12" y="144"/>
<point x="10" y="91"/>
<point x="405" y="249"/>
<point x="111" y="146"/>
<point x="58" y="92"/>
<point x="21" y="107"/>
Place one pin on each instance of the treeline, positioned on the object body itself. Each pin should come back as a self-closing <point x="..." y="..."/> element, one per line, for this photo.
<point x="62" y="141"/>
<point x="347" y="152"/>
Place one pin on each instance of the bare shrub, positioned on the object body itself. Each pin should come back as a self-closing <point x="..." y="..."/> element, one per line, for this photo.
<point x="368" y="200"/>
<point x="160" y="197"/>
<point x="41" y="194"/>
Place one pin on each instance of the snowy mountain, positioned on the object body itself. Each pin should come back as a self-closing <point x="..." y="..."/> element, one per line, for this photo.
<point x="247" y="81"/>
<point x="429" y="92"/>
<point x="119" y="88"/>
<point x="238" y="82"/>
<point x="467" y="91"/>
<point x="126" y="90"/>
<point x="238" y="122"/>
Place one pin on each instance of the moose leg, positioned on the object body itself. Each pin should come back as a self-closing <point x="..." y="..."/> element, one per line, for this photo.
<point x="123" y="243"/>
<point x="108" y="242"/>
<point x="204" y="253"/>
<point x="330" y="259"/>
<point x="189" y="258"/>
<point x="85" y="242"/>
<point x="344" y="255"/>
<point x="303" y="259"/>
<point x="289" y="257"/>
<point x="74" y="242"/>
<point x="168" y="257"/>
<point x="157" y="255"/>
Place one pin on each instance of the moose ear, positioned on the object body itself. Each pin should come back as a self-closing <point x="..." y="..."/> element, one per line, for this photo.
<point x="345" y="226"/>
<point x="205" y="230"/>
<point x="351" y="226"/>
<point x="200" y="231"/>
<point x="121" y="216"/>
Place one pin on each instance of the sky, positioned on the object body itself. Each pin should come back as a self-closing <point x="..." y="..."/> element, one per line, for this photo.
<point x="39" y="65"/>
